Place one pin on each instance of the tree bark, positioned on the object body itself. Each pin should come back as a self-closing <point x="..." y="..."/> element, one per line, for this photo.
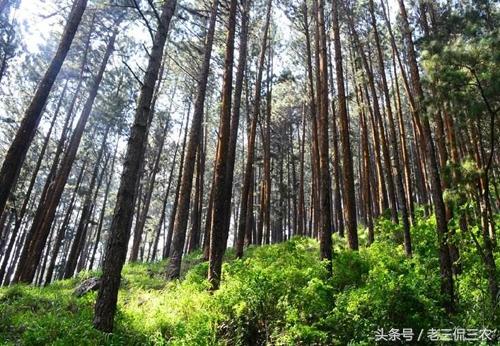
<point x="173" y="212"/>
<point x="141" y="222"/>
<point x="404" y="147"/>
<point x="116" y="248"/>
<point x="325" y="200"/>
<point x="314" y="127"/>
<point x="266" y="146"/>
<point x="366" y="174"/>
<point x="218" y="233"/>
<point x="437" y="195"/>
<point x="348" y="174"/>
<point x="194" y="234"/>
<point x="165" y="198"/>
<point x="235" y="119"/>
<point x="39" y="232"/>
<point x="62" y="228"/>
<point x="81" y="231"/>
<point x="182" y="212"/>
<point x="301" y="217"/>
<point x="103" y="208"/>
<point x="245" y="210"/>
<point x="16" y="154"/>
<point x="396" y="171"/>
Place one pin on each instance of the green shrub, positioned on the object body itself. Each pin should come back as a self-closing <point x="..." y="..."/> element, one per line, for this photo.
<point x="277" y="295"/>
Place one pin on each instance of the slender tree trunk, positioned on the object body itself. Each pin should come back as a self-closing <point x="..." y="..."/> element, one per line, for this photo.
<point x="194" y="234"/>
<point x="404" y="147"/>
<point x="165" y="198"/>
<point x="24" y="206"/>
<point x="173" y="212"/>
<point x="483" y="202"/>
<point x="235" y="120"/>
<point x="314" y="127"/>
<point x="41" y="269"/>
<point x="396" y="171"/>
<point x="348" y="174"/>
<point x="208" y="223"/>
<point x="38" y="164"/>
<point x="301" y="217"/>
<point x="262" y="202"/>
<point x="16" y="154"/>
<point x="85" y="256"/>
<point x="437" y="195"/>
<point x="365" y="176"/>
<point x="39" y="232"/>
<point x="218" y="233"/>
<point x="81" y="231"/>
<point x="182" y="212"/>
<point x="62" y="228"/>
<point x="12" y="239"/>
<point x="103" y="208"/>
<point x="246" y="194"/>
<point x="266" y="144"/>
<point x="325" y="200"/>
<point x="337" y="197"/>
<point x="141" y="222"/>
<point x="380" y="126"/>
<point x="116" y="249"/>
<point x="417" y="127"/>
<point x="294" y="186"/>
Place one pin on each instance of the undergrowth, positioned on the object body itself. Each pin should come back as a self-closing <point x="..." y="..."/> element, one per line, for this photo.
<point x="277" y="294"/>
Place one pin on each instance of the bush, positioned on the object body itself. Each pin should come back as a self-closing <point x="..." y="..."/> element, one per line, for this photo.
<point x="277" y="295"/>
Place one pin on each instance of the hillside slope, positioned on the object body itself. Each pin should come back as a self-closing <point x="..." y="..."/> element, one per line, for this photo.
<point x="277" y="294"/>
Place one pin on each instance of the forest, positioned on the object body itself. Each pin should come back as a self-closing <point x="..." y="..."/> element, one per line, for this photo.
<point x="249" y="172"/>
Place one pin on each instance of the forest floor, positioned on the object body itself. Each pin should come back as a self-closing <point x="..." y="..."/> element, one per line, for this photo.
<point x="277" y="294"/>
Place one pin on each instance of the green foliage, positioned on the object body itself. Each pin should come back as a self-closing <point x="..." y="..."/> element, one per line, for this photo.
<point x="277" y="294"/>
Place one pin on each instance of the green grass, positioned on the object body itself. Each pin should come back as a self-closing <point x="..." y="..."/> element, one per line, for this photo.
<point x="277" y="294"/>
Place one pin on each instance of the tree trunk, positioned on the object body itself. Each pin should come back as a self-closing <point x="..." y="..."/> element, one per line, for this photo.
<point x="62" y="228"/>
<point x="141" y="222"/>
<point x="366" y="174"/>
<point x="103" y="208"/>
<point x="266" y="144"/>
<point x="396" y="171"/>
<point x="379" y="125"/>
<point x="337" y="197"/>
<point x="301" y="217"/>
<point x="348" y="174"/>
<point x="173" y="212"/>
<point x="194" y="234"/>
<point x="245" y="210"/>
<point x="325" y="200"/>
<point x="182" y="212"/>
<point x="437" y="195"/>
<point x="314" y="128"/>
<point x="33" y="249"/>
<point x="38" y="164"/>
<point x="22" y="212"/>
<point x="419" y="171"/>
<point x="81" y="231"/>
<point x="165" y="198"/>
<point x="116" y="248"/>
<point x="16" y="154"/>
<point x="218" y="233"/>
<point x="235" y="120"/>
<point x="404" y="147"/>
